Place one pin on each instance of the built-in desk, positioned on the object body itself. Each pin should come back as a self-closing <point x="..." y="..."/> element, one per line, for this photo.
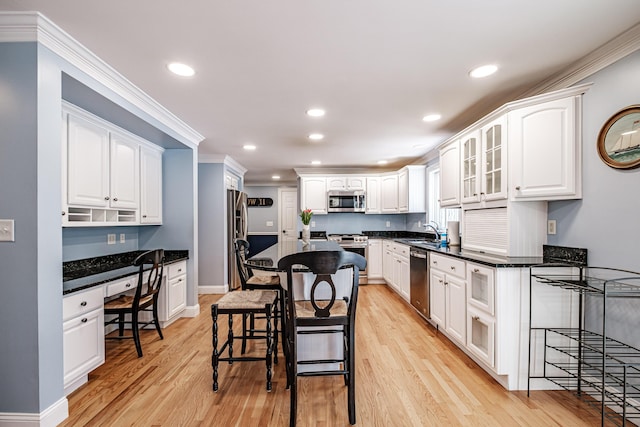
<point x="87" y="283"/>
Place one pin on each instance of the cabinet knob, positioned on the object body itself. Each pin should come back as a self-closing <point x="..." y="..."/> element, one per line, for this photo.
<point x="63" y="213"/>
<point x="106" y="197"/>
<point x="84" y="320"/>
<point x="435" y="262"/>
<point x="128" y="285"/>
<point x="440" y="280"/>
<point x="446" y="283"/>
<point x="475" y="317"/>
<point x="83" y="303"/>
<point x="453" y="268"/>
<point x="518" y="188"/>
<point x="476" y="270"/>
<point x="115" y="199"/>
<point x="144" y="216"/>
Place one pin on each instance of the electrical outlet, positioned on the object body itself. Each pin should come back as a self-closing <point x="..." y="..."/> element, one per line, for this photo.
<point x="122" y="238"/>
<point x="551" y="226"/>
<point x="269" y="223"/>
<point x="388" y="223"/>
<point x="111" y="239"/>
<point x="419" y="224"/>
<point x="7" y="230"/>
<point x="313" y="224"/>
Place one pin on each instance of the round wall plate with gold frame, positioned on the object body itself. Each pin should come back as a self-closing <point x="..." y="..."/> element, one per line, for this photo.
<point x="619" y="139"/>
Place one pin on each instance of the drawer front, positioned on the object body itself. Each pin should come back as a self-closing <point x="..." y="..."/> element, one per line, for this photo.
<point x="121" y="286"/>
<point x="449" y="265"/>
<point x="82" y="302"/>
<point x="481" y="287"/>
<point x="481" y="336"/>
<point x="176" y="269"/>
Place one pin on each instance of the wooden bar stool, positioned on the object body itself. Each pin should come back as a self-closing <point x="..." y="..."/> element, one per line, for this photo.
<point x="245" y="302"/>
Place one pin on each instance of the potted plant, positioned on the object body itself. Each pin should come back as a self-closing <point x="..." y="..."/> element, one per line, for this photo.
<point x="305" y="216"/>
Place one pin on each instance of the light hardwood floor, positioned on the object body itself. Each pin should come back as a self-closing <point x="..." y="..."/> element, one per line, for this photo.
<point x="407" y="375"/>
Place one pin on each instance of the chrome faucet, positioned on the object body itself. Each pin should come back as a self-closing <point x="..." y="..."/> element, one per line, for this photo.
<point x="435" y="230"/>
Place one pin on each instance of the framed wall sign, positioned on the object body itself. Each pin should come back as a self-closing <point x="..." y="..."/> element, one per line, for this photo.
<point x="619" y="139"/>
<point x="264" y="202"/>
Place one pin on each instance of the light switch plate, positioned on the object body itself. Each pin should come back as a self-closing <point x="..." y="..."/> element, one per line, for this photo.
<point x="551" y="226"/>
<point x="269" y="223"/>
<point x="122" y="238"/>
<point x="7" y="230"/>
<point x="111" y="239"/>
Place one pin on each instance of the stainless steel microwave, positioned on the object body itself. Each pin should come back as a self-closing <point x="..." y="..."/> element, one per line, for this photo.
<point x="346" y="201"/>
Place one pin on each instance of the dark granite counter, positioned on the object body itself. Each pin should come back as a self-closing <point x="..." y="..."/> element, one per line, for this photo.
<point x="268" y="259"/>
<point x="551" y="254"/>
<point x="86" y="273"/>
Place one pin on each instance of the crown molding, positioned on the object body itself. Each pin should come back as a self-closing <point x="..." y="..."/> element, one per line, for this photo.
<point x="614" y="50"/>
<point x="224" y="159"/>
<point x="35" y="27"/>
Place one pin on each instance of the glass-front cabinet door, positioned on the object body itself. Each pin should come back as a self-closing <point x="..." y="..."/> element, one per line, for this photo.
<point x="494" y="165"/>
<point x="470" y="164"/>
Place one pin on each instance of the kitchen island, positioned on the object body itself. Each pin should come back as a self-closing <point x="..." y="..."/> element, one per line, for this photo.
<point x="316" y="346"/>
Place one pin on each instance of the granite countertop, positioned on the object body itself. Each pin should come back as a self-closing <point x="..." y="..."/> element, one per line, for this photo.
<point x="551" y="254"/>
<point x="268" y="259"/>
<point x="85" y="273"/>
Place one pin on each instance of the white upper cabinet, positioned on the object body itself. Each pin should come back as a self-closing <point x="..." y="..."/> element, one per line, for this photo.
<point x="150" y="186"/>
<point x="546" y="151"/>
<point x="124" y="172"/>
<point x="313" y="194"/>
<point x="373" y="195"/>
<point x="87" y="147"/>
<point x="346" y="183"/>
<point x="412" y="185"/>
<point x="389" y="193"/>
<point x="109" y="176"/>
<point x="471" y="159"/>
<point x="493" y="185"/>
<point x="450" y="174"/>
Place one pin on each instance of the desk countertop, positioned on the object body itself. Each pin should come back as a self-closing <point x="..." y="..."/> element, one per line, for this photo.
<point x="86" y="273"/>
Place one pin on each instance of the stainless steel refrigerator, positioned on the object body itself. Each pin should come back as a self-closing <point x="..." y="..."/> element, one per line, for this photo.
<point x="236" y="229"/>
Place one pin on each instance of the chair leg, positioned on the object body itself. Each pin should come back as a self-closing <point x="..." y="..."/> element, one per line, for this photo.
<point x="244" y="333"/>
<point x="268" y="313"/>
<point x="275" y="331"/>
<point x="351" y="392"/>
<point x="215" y="355"/>
<point x="120" y="324"/>
<point x="136" y="332"/>
<point x="293" y="380"/>
<point x="230" y="338"/>
<point x="155" y="320"/>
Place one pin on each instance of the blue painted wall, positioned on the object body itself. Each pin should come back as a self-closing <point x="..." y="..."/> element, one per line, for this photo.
<point x="212" y="229"/>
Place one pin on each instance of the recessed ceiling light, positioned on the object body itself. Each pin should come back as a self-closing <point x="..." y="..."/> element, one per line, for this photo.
<point x="181" y="69"/>
<point x="419" y="145"/>
<point x="249" y="147"/>
<point x="275" y="177"/>
<point x="315" y="112"/>
<point x="484" y="71"/>
<point x="316" y="136"/>
<point x="382" y="162"/>
<point x="316" y="162"/>
<point x="431" y="117"/>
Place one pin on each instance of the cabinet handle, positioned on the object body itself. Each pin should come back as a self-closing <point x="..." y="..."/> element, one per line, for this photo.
<point x="83" y="303"/>
<point x="518" y="188"/>
<point x="106" y="198"/>
<point x="435" y="262"/>
<point x="475" y="317"/>
<point x="446" y="283"/>
<point x="63" y="213"/>
<point x="84" y="320"/>
<point x="128" y="285"/>
<point x="115" y="199"/>
<point x="179" y="280"/>
<point x="144" y="216"/>
<point x="453" y="268"/>
<point x="440" y="280"/>
<point x="476" y="270"/>
<point x="179" y="270"/>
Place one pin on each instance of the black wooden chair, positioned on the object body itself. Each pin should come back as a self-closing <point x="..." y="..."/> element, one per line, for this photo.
<point x="251" y="282"/>
<point x="324" y="311"/>
<point x="244" y="302"/>
<point x="145" y="298"/>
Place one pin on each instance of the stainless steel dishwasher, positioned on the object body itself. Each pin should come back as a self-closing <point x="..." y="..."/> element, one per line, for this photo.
<point x="420" y="281"/>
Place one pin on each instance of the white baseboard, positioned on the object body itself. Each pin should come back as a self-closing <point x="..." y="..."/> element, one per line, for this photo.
<point x="213" y="289"/>
<point x="191" y="311"/>
<point x="50" y="417"/>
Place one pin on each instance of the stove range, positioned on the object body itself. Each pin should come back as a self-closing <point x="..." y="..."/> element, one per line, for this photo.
<point x="357" y="243"/>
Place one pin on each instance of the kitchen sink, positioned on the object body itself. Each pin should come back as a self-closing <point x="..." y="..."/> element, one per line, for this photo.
<point x="428" y="242"/>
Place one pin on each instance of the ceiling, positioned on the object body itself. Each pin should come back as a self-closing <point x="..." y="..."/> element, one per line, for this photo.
<point x="376" y="67"/>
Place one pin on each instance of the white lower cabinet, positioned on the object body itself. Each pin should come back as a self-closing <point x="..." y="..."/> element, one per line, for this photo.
<point x="481" y="329"/>
<point x="396" y="268"/>
<point x="448" y="295"/>
<point x="374" y="260"/>
<point x="387" y="261"/>
<point x="174" y="298"/>
<point x="83" y="336"/>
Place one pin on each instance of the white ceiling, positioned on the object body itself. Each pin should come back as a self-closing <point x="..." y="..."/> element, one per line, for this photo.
<point x="376" y="66"/>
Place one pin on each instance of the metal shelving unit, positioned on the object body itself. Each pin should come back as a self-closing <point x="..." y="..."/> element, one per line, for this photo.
<point x="602" y="371"/>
